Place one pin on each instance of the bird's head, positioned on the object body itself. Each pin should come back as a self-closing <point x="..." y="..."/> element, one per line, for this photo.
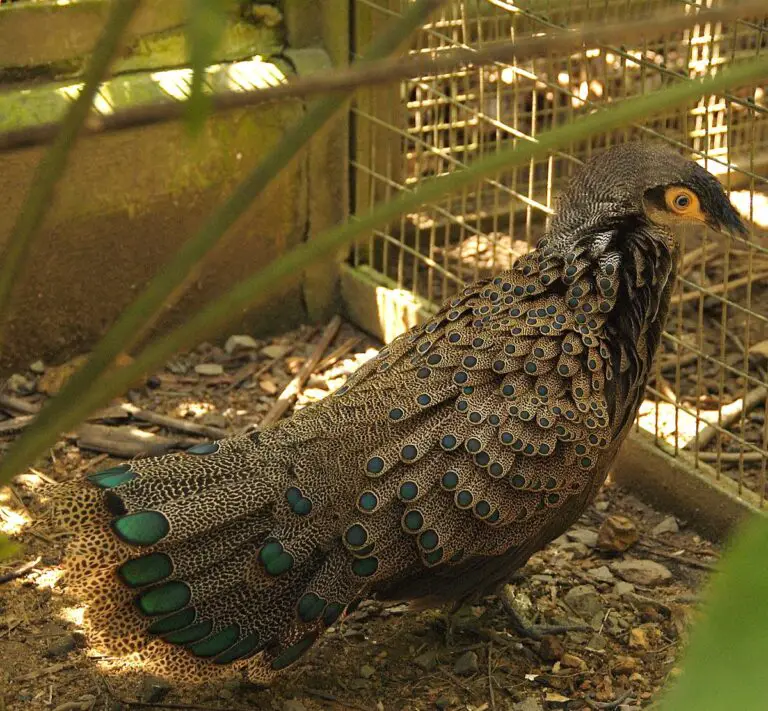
<point x="649" y="182"/>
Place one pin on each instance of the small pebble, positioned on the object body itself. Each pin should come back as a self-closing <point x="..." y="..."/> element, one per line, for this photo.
<point x="466" y="664"/>
<point x="617" y="534"/>
<point x="274" y="351"/>
<point x="573" y="662"/>
<point x="585" y="601"/>
<point x="426" y="661"/>
<point x="240" y="342"/>
<point x="37" y="367"/>
<point x="367" y="671"/>
<point x="551" y="648"/>
<point x="641" y="572"/>
<point x="583" y="535"/>
<point x="668" y="525"/>
<point x="209" y="369"/>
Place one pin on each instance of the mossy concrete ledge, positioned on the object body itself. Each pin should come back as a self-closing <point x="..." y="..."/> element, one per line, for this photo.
<point x="130" y="199"/>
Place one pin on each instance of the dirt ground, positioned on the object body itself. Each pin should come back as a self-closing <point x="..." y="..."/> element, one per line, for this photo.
<point x="634" y="605"/>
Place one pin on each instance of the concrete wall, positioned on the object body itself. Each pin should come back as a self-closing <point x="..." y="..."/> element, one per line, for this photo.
<point x="130" y="199"/>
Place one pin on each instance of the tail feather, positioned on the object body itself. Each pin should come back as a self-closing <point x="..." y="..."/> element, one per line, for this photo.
<point x="197" y="562"/>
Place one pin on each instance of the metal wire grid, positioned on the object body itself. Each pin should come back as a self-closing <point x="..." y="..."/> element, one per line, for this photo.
<point x="711" y="363"/>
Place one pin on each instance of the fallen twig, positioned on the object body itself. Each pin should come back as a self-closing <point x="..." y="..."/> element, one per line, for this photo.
<point x="685" y="560"/>
<point x="20" y="572"/>
<point x="16" y="424"/>
<point x="9" y="402"/>
<point x="728" y="415"/>
<point x="338" y="353"/>
<point x="174" y="423"/>
<point x="127" y="442"/>
<point x="45" y="671"/>
<point x="294" y="387"/>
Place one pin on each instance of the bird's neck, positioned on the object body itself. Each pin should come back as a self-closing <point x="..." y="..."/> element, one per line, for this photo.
<point x="649" y="258"/>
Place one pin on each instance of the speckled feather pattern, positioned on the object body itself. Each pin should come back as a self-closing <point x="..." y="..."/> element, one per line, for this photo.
<point x="436" y="471"/>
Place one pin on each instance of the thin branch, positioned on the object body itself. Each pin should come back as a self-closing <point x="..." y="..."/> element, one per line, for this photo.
<point x="728" y="415"/>
<point x="54" y="163"/>
<point x="75" y="403"/>
<point x="296" y="385"/>
<point x="19" y="572"/>
<point x="391" y="70"/>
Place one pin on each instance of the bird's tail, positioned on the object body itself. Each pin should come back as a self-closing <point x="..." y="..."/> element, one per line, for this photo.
<point x="201" y="562"/>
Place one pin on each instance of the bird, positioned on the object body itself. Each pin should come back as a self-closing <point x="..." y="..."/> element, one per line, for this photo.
<point x="431" y="476"/>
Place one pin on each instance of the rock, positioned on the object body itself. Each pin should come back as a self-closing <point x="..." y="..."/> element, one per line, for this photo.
<point x="60" y="647"/>
<point x="574" y="549"/>
<point x="153" y="690"/>
<point x="551" y="648"/>
<point x="240" y="342"/>
<point x="597" y="643"/>
<point x="668" y="525"/>
<point x="367" y="671"/>
<point x="641" y="572"/>
<point x="638" y="639"/>
<point x="466" y="664"/>
<point x="584" y="601"/>
<point x="274" y="351"/>
<point x="617" y="534"/>
<point x="530" y="704"/>
<point x="38" y="367"/>
<point x="583" y="535"/>
<point x="20" y="385"/>
<point x="293" y="705"/>
<point x="623" y="588"/>
<point x="573" y="662"/>
<point x="603" y="574"/>
<point x="426" y="661"/>
<point x="225" y="694"/>
<point x="624" y="665"/>
<point x="209" y="369"/>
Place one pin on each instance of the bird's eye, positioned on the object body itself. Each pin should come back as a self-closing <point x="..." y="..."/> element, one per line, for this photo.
<point x="682" y="202"/>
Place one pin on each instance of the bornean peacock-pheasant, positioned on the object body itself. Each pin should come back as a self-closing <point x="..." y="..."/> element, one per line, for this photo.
<point x="468" y="444"/>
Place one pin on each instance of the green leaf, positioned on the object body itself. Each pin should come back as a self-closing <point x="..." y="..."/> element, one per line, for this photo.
<point x="206" y="23"/>
<point x="7" y="547"/>
<point x="724" y="666"/>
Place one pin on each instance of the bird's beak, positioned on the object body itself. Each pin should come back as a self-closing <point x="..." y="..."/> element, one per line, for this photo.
<point x="729" y="222"/>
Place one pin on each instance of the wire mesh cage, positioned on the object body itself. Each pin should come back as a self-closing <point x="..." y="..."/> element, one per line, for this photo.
<point x="707" y="396"/>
